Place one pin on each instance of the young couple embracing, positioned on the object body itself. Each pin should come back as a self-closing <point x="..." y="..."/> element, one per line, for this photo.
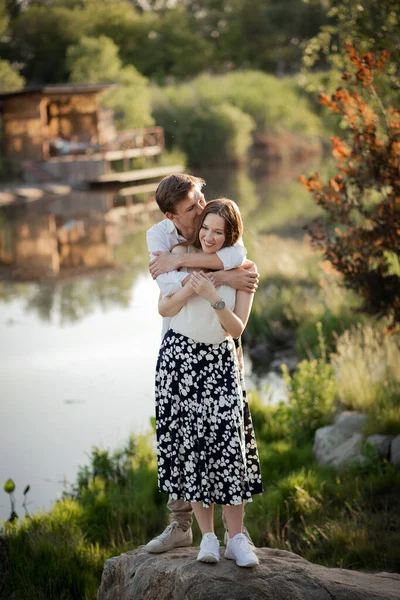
<point x="206" y="448"/>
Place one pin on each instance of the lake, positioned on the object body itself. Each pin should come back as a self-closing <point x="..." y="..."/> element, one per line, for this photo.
<point x="77" y="356"/>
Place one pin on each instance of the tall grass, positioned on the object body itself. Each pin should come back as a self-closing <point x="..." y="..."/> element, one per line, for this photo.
<point x="367" y="364"/>
<point x="296" y="290"/>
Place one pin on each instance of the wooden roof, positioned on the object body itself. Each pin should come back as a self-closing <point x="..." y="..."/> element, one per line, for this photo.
<point x="48" y="90"/>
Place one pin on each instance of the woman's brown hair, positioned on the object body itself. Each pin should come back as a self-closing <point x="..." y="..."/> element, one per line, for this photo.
<point x="229" y="211"/>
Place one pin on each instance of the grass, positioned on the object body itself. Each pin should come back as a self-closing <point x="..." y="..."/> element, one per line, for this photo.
<point x="298" y="289"/>
<point x="348" y="519"/>
<point x="367" y="371"/>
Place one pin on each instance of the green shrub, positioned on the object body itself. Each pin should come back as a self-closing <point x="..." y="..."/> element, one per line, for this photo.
<point x="211" y="117"/>
<point x="260" y="95"/>
<point x="115" y="506"/>
<point x="312" y="394"/>
<point x="270" y="422"/>
<point x="208" y="132"/>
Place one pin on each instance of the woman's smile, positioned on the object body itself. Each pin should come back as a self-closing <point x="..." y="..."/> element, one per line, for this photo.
<point x="212" y="233"/>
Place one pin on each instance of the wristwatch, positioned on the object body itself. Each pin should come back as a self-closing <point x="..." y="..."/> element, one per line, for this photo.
<point x="219" y="305"/>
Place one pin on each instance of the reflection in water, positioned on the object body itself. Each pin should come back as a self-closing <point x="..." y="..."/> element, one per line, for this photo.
<point x="75" y="235"/>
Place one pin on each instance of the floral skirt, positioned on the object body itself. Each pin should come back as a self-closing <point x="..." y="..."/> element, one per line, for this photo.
<point x="205" y="440"/>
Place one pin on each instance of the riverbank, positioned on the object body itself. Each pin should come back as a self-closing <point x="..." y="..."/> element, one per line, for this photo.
<point x="347" y="518"/>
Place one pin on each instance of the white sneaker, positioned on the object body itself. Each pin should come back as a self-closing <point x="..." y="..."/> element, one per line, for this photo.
<point x="209" y="548"/>
<point x="239" y="549"/>
<point x="172" y="537"/>
<point x="245" y="533"/>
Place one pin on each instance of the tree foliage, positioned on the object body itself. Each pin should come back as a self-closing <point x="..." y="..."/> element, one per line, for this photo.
<point x="360" y="235"/>
<point x="162" y="39"/>
<point x="10" y="79"/>
<point x="372" y="26"/>
<point x="97" y="60"/>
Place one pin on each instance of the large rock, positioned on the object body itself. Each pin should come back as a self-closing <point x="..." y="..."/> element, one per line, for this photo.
<point x="395" y="451"/>
<point x="176" y="575"/>
<point x="341" y="443"/>
<point x="351" y="421"/>
<point x="380" y="444"/>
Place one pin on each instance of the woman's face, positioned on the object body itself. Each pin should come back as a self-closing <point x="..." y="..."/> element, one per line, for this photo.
<point x="212" y="233"/>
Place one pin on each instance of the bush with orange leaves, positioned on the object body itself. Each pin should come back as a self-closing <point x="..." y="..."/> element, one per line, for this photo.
<point x="359" y="232"/>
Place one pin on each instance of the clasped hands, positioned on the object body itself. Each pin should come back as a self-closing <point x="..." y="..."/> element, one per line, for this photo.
<point x="200" y="283"/>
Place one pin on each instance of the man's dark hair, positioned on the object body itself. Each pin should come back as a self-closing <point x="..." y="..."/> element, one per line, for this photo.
<point x="174" y="188"/>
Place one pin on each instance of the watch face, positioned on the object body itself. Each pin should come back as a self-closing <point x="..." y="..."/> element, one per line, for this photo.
<point x="219" y="305"/>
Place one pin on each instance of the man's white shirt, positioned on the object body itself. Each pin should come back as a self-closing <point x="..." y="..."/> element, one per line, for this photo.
<point x="162" y="237"/>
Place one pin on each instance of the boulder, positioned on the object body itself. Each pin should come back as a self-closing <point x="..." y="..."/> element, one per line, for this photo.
<point x="341" y="443"/>
<point x="380" y="444"/>
<point x="281" y="575"/>
<point x="351" y="420"/>
<point x="395" y="451"/>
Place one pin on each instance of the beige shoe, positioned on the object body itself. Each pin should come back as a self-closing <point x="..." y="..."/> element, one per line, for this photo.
<point x="245" y="533"/>
<point x="172" y="537"/>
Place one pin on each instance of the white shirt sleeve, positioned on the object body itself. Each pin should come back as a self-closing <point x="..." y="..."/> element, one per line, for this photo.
<point x="158" y="240"/>
<point x="232" y="256"/>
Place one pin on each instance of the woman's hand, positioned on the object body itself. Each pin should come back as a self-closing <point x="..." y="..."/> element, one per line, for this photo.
<point x="202" y="286"/>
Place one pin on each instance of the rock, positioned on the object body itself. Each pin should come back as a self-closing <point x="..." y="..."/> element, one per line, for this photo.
<point x="340" y="444"/>
<point x="281" y="575"/>
<point x="395" y="451"/>
<point x="381" y="444"/>
<point x="351" y="420"/>
<point x="261" y="353"/>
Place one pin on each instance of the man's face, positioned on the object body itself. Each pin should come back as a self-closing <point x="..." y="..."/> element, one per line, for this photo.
<point x="188" y="211"/>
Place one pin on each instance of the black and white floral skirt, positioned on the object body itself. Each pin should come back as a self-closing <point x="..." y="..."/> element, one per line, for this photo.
<point x="205" y="441"/>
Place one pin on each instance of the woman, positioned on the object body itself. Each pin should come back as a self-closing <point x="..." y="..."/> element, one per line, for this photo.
<point x="206" y="448"/>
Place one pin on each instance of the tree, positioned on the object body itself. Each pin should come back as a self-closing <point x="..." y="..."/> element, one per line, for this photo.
<point x="93" y="61"/>
<point x="97" y="60"/>
<point x="360" y="234"/>
<point x="373" y="26"/>
<point x="39" y="41"/>
<point x="10" y="79"/>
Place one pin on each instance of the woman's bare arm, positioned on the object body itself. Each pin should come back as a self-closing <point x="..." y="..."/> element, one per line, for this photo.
<point x="234" y="322"/>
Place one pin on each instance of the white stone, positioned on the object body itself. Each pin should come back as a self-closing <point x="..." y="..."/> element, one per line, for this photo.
<point x="340" y="443"/>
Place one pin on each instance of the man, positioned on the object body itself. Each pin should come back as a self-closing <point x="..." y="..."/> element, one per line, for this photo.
<point x="181" y="200"/>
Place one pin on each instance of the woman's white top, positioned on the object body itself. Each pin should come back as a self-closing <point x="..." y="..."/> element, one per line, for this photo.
<point x="199" y="321"/>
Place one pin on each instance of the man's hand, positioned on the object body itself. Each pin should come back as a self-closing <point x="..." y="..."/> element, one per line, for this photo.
<point x="241" y="278"/>
<point x="164" y="263"/>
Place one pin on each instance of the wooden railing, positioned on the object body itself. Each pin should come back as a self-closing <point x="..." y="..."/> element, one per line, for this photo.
<point x="125" y="140"/>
